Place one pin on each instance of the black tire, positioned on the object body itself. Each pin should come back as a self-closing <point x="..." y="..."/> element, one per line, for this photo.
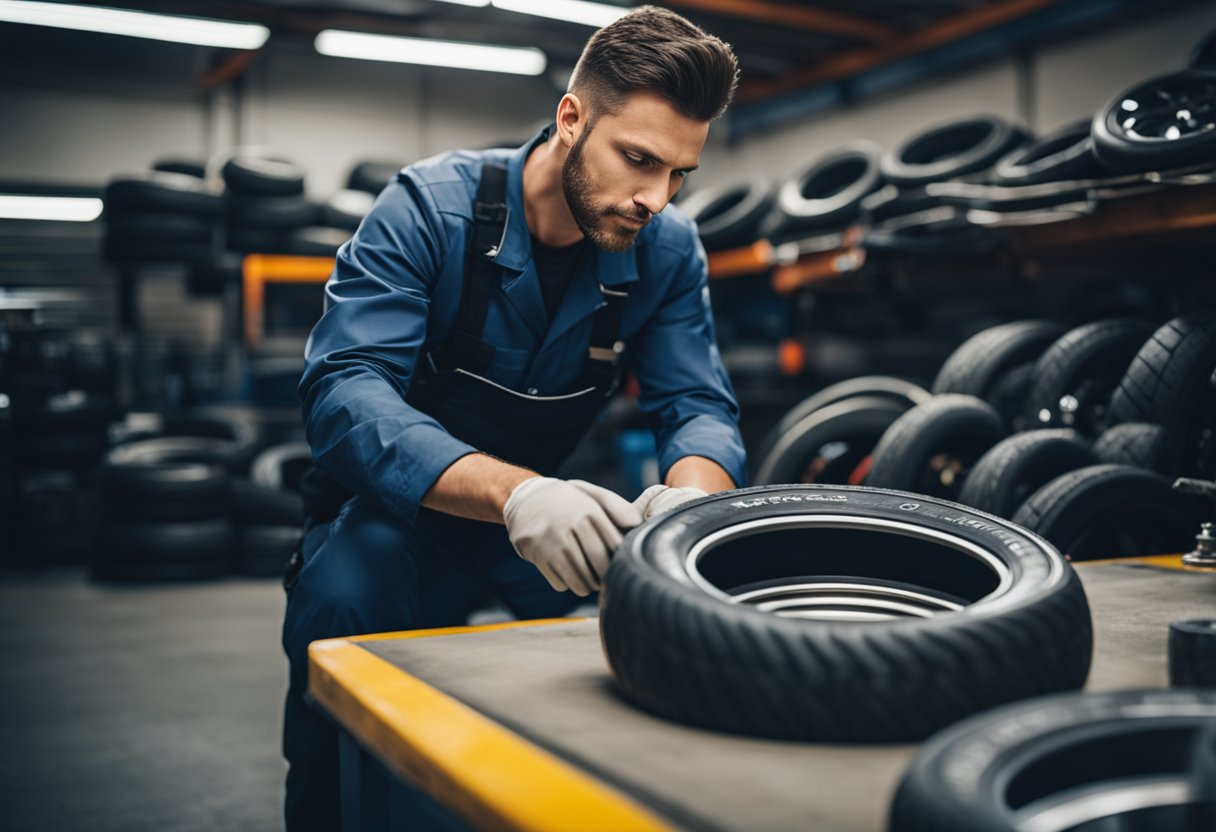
<point x="155" y="192"/>
<point x="272" y="212"/>
<point x="829" y="444"/>
<point x="186" y="167"/>
<point x="1169" y="383"/>
<point x="1139" y="444"/>
<point x="258" y="505"/>
<point x="1076" y="376"/>
<point x="281" y="466"/>
<point x="888" y="387"/>
<point x="263" y="177"/>
<point x="1002" y="771"/>
<point x="1130" y="137"/>
<point x="205" y="449"/>
<point x="1203" y="55"/>
<point x="1192" y="651"/>
<point x="1064" y="155"/>
<point x="730" y="216"/>
<point x="683" y="645"/>
<point x="166" y="490"/>
<point x="164" y="551"/>
<point x="1112" y="511"/>
<point x="346" y="209"/>
<point x="1019" y="465"/>
<point x="890" y="202"/>
<point x="315" y="241"/>
<point x="124" y="249"/>
<point x="263" y="551"/>
<point x="977" y="365"/>
<point x="952" y="149"/>
<point x="179" y="229"/>
<point x="257" y="240"/>
<point x="828" y="192"/>
<point x="932" y="448"/>
<point x="211" y="279"/>
<point x="372" y="177"/>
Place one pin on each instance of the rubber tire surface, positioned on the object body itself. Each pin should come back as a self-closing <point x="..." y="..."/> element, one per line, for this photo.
<point x="263" y="177"/>
<point x="159" y="191"/>
<point x="345" y="209"/>
<point x="678" y="651"/>
<point x="1192" y="652"/>
<point x="859" y="421"/>
<point x="961" y="425"/>
<point x="890" y="387"/>
<point x="1167" y="383"/>
<point x="958" y="781"/>
<point x="164" y="551"/>
<point x="826" y="193"/>
<point x="257" y="505"/>
<point x="1063" y="155"/>
<point x="166" y="490"/>
<point x="1071" y="509"/>
<point x="1120" y="153"/>
<point x="952" y="149"/>
<point x="1139" y="444"/>
<point x="1092" y="358"/>
<point x="272" y="212"/>
<point x="372" y="177"/>
<point x="730" y="216"/>
<point x="1019" y="465"/>
<point x="263" y="551"/>
<point x="979" y="362"/>
<point x="281" y="466"/>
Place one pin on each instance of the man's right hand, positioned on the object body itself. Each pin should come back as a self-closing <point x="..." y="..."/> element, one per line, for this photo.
<point x="567" y="529"/>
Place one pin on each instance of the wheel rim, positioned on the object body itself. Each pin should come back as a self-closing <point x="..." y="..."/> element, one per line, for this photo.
<point x="1179" y="110"/>
<point x="807" y="593"/>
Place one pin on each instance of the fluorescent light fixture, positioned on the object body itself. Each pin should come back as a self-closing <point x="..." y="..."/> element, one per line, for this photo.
<point x="195" y="30"/>
<point x="511" y="59"/>
<point x="63" y="208"/>
<point x="468" y="2"/>
<point x="572" y="11"/>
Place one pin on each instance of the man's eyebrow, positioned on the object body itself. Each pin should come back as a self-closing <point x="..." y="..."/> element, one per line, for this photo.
<point x="654" y="157"/>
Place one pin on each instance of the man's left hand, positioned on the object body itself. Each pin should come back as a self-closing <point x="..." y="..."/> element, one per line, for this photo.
<point x="660" y="498"/>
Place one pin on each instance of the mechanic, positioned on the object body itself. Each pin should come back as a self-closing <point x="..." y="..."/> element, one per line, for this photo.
<point x="474" y="327"/>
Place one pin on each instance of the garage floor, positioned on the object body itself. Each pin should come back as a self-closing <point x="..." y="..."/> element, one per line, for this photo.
<point x="140" y="708"/>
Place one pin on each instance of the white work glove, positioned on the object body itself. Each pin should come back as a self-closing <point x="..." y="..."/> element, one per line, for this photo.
<point x="660" y="498"/>
<point x="567" y="529"/>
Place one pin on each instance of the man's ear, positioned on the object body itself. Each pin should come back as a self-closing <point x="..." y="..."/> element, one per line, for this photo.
<point x="571" y="119"/>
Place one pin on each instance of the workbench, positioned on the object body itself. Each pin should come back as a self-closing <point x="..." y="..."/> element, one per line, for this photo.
<point x="518" y="726"/>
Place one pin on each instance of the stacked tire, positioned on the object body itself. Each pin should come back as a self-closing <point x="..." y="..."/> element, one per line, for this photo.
<point x="269" y="511"/>
<point x="160" y="216"/>
<point x="267" y="210"/>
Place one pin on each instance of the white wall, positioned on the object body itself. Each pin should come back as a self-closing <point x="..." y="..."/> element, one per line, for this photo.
<point x="1067" y="81"/>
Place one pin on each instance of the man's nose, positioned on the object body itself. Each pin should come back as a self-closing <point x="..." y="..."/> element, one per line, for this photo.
<point x="653" y="197"/>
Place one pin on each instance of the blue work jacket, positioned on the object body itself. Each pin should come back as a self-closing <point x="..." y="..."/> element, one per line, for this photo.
<point x="393" y="298"/>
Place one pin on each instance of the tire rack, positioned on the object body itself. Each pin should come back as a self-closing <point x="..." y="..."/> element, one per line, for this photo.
<point x="1159" y="230"/>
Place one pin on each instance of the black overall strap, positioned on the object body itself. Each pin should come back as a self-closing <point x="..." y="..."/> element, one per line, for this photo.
<point x="604" y="354"/>
<point x="466" y="349"/>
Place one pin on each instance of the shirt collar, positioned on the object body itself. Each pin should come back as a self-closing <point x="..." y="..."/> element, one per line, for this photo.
<point x="613" y="268"/>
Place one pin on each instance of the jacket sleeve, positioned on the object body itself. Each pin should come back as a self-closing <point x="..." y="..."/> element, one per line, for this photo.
<point x="684" y="386"/>
<point x="362" y="355"/>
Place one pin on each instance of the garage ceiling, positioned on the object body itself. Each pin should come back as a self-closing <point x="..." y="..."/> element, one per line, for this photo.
<point x="795" y="56"/>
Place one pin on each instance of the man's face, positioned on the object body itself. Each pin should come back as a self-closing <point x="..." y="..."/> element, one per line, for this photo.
<point x="625" y="170"/>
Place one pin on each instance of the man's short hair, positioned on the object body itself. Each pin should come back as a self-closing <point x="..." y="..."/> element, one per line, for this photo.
<point x="658" y="50"/>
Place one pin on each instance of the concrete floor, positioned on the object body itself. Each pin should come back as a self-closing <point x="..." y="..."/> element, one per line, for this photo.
<point x="133" y="708"/>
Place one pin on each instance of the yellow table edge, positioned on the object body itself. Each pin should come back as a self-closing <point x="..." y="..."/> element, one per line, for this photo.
<point x="1158" y="561"/>
<point x="488" y="775"/>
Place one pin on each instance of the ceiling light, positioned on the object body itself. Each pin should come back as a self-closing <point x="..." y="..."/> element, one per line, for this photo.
<point x="468" y="2"/>
<point x="572" y="11"/>
<point x="66" y="209"/>
<point x="195" y="30"/>
<point x="511" y="59"/>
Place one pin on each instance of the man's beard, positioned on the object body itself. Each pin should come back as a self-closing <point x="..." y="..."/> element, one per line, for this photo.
<point x="576" y="185"/>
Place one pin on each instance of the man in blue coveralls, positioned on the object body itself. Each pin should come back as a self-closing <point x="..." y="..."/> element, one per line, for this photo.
<point x="474" y="327"/>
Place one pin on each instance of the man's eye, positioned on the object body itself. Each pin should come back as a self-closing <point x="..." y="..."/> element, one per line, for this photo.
<point x="637" y="161"/>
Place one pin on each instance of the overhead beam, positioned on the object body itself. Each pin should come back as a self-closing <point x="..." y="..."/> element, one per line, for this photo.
<point x="860" y="60"/>
<point x="813" y="20"/>
<point x="229" y="68"/>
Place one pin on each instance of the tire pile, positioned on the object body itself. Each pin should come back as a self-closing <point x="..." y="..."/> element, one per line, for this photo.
<point x="191" y="497"/>
<point x="206" y="216"/>
<point x="952" y="183"/>
<point x="1076" y="434"/>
